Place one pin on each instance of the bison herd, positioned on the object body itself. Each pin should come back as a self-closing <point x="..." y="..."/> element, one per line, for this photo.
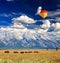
<point x="22" y="52"/>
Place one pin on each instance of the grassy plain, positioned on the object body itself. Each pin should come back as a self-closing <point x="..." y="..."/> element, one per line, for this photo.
<point x="30" y="56"/>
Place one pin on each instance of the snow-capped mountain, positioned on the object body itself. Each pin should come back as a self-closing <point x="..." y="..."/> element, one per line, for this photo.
<point x="19" y="35"/>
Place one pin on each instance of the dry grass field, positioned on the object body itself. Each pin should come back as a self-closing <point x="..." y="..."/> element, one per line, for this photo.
<point x="29" y="56"/>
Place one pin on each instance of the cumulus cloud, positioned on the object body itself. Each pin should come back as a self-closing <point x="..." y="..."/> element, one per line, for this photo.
<point x="24" y="19"/>
<point x="18" y="26"/>
<point x="44" y="27"/>
<point x="46" y="24"/>
<point x="41" y="30"/>
<point x="38" y="10"/>
<point x="18" y="33"/>
<point x="56" y="27"/>
<point x="58" y="19"/>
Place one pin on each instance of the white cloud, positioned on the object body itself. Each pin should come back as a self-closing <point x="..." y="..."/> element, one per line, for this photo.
<point x="24" y="19"/>
<point x="39" y="10"/>
<point x="11" y="14"/>
<point x="54" y="14"/>
<point x="30" y="37"/>
<point x="52" y="25"/>
<point x="58" y="5"/>
<point x="57" y="27"/>
<point x="18" y="26"/>
<point x="46" y="24"/>
<point x="9" y="0"/>
<point x="6" y="15"/>
<point x="44" y="27"/>
<point x="58" y="19"/>
<point x="41" y="30"/>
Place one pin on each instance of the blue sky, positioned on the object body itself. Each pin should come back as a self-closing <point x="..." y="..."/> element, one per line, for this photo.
<point x="14" y="8"/>
<point x="21" y="27"/>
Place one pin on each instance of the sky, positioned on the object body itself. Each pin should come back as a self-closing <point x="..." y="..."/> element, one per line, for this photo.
<point x="14" y="8"/>
<point x="20" y="26"/>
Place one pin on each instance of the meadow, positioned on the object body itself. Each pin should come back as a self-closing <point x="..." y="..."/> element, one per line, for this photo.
<point x="29" y="56"/>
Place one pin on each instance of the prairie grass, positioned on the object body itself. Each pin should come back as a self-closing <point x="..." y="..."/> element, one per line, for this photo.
<point x="32" y="56"/>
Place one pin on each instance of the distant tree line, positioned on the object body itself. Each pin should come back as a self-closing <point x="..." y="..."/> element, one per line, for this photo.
<point x="57" y="48"/>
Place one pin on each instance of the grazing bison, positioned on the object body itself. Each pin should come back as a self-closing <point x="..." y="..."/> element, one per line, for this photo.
<point x="6" y="51"/>
<point x="30" y="52"/>
<point x="15" y="52"/>
<point x="21" y="52"/>
<point x="35" y="51"/>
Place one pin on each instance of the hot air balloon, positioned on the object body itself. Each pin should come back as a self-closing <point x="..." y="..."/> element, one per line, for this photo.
<point x="43" y="13"/>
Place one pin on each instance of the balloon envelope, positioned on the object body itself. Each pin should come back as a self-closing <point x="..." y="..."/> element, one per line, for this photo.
<point x="43" y="13"/>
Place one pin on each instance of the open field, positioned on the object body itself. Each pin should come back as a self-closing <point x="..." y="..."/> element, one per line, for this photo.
<point x="29" y="56"/>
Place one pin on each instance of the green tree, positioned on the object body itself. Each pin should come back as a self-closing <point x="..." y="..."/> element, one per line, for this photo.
<point x="56" y="48"/>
